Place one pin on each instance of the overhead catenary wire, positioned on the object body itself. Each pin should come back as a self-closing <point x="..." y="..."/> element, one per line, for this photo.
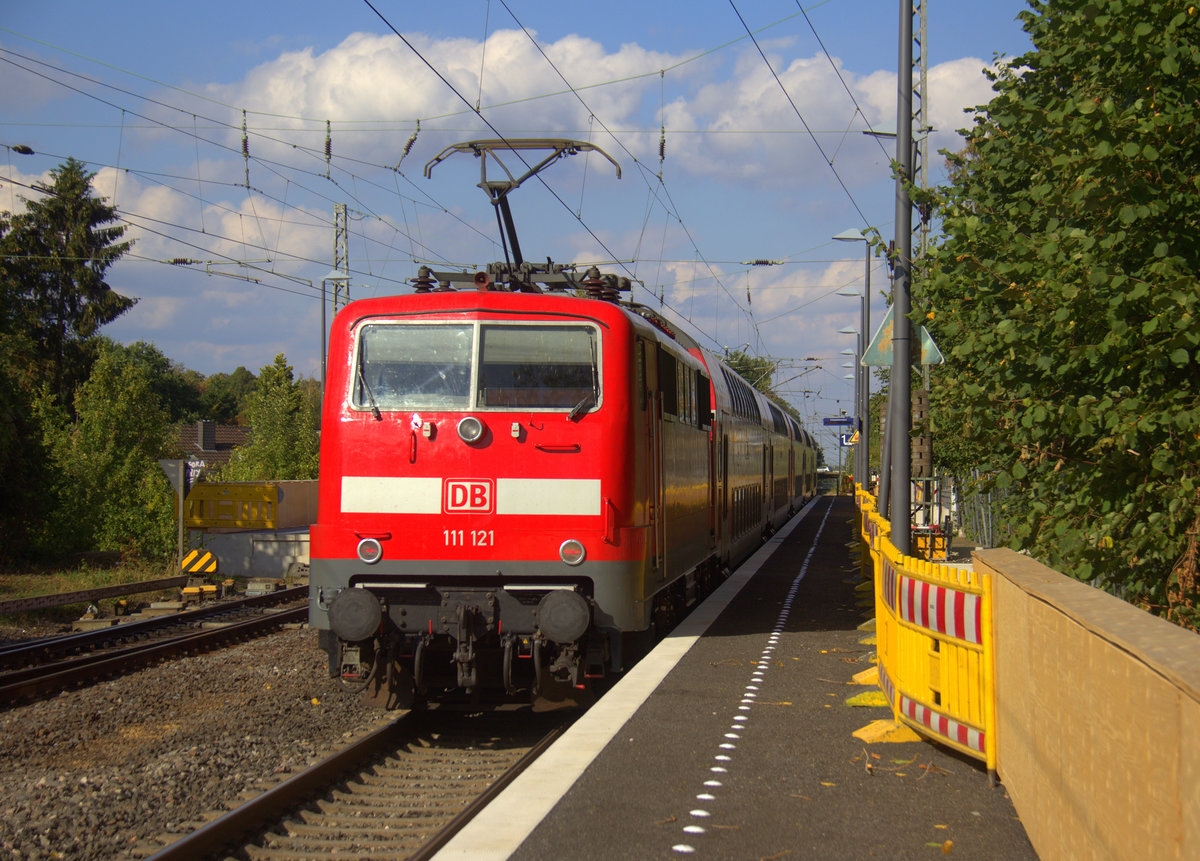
<point x="800" y="115"/>
<point x="337" y="167"/>
<point x="673" y="210"/>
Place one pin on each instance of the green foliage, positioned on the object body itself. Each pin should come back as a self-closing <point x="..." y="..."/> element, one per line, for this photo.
<point x="177" y="388"/>
<point x="284" y="444"/>
<point x="23" y="468"/>
<point x="1066" y="297"/>
<point x="54" y="257"/>
<point x="758" y="371"/>
<point x="109" y="491"/>
<point x="224" y="397"/>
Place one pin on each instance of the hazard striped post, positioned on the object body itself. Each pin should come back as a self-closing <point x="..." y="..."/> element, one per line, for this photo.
<point x="199" y="562"/>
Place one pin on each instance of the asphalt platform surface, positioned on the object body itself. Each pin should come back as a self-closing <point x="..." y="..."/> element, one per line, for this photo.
<point x="745" y="749"/>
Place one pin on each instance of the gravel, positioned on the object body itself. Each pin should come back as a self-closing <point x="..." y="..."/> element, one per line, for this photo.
<point x="111" y="770"/>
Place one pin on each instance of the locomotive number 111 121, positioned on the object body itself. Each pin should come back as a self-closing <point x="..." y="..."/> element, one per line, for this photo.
<point x="468" y="537"/>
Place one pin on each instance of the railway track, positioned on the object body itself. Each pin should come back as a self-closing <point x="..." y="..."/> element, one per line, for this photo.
<point x="399" y="792"/>
<point x="41" y="668"/>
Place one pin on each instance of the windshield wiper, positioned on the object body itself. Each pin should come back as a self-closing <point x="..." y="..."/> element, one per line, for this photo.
<point x="589" y="401"/>
<point x="370" y="397"/>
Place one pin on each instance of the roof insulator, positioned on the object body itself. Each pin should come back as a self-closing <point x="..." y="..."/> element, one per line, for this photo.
<point x="424" y="282"/>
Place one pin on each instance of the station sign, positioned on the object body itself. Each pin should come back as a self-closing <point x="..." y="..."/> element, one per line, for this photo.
<point x="845" y="421"/>
<point x="879" y="352"/>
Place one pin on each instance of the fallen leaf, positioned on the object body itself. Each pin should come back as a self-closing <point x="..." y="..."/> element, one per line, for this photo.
<point x="666" y="821"/>
<point x="947" y="847"/>
<point x="824" y="783"/>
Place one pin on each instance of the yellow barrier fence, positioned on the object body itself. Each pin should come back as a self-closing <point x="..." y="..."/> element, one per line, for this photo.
<point x="239" y="505"/>
<point x="934" y="639"/>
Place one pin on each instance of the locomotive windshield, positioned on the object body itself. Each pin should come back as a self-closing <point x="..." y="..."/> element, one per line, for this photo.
<point x="459" y="366"/>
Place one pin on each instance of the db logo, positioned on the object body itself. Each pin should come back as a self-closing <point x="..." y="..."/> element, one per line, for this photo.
<point x="465" y="495"/>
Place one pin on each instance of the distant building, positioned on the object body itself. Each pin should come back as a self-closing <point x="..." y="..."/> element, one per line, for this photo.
<point x="211" y="443"/>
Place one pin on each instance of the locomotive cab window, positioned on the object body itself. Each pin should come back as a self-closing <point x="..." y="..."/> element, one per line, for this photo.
<point x="410" y="367"/>
<point x="538" y="366"/>
<point x="463" y="366"/>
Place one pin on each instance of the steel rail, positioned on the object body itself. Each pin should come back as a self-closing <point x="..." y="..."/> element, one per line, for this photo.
<point x="20" y="686"/>
<point x="44" y="647"/>
<point x="265" y="808"/>
<point x="261" y="811"/>
<point x="459" y="822"/>
<point x="59" y="599"/>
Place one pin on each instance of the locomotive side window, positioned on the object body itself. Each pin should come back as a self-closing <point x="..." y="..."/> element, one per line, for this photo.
<point x="538" y="366"/>
<point x="414" y="366"/>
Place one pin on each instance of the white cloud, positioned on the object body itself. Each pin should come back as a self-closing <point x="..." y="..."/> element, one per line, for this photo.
<point x="16" y="187"/>
<point x="954" y="87"/>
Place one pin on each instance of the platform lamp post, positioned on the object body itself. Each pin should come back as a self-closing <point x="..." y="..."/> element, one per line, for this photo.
<point x="862" y="388"/>
<point x="856" y="355"/>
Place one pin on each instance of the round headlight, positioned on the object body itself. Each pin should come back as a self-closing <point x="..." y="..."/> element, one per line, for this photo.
<point x="370" y="550"/>
<point x="470" y="429"/>
<point x="572" y="552"/>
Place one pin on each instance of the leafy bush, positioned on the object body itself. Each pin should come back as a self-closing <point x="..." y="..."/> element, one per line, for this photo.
<point x="1065" y="295"/>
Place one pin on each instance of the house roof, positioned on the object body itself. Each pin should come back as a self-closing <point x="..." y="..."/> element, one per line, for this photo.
<point x="224" y="439"/>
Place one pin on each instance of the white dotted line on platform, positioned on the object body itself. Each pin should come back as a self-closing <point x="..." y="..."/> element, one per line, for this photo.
<point x="733" y="735"/>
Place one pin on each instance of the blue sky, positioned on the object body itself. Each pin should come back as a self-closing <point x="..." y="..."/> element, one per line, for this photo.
<point x="151" y="96"/>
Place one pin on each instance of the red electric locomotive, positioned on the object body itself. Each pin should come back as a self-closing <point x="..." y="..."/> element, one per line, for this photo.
<point x="519" y="485"/>
<point x="518" y="488"/>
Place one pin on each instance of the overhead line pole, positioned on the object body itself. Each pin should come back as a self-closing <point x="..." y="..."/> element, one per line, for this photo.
<point x="900" y="412"/>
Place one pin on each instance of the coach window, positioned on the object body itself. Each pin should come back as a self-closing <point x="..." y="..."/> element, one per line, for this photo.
<point x="539" y="367"/>
<point x="410" y="366"/>
<point x="682" y="380"/>
<point x="668" y="382"/>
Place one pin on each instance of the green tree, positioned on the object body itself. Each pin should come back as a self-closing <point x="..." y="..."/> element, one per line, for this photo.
<point x="758" y="371"/>
<point x="24" y="469"/>
<point x="176" y="388"/>
<point x="284" y="442"/>
<point x="110" y="493"/>
<point x="225" y="397"/>
<point x="54" y="258"/>
<point x="1065" y="295"/>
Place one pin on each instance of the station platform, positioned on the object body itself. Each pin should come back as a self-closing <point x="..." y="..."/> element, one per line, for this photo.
<point x="733" y="739"/>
